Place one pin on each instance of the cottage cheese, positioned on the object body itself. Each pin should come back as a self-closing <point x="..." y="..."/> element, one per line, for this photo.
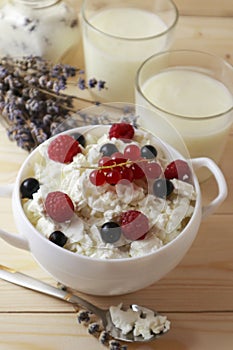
<point x="141" y="322"/>
<point x="97" y="205"/>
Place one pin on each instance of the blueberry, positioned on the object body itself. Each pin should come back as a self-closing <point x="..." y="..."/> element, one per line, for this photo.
<point x="80" y="138"/>
<point x="110" y="232"/>
<point x="59" y="238"/>
<point x="162" y="188"/>
<point x="108" y="149"/>
<point x="28" y="187"/>
<point x="149" y="152"/>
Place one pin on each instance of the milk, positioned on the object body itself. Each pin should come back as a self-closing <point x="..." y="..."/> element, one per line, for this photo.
<point x="113" y="54"/>
<point x="196" y="96"/>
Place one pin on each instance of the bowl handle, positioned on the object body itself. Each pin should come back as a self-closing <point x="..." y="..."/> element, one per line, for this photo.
<point x="13" y="239"/>
<point x="220" y="180"/>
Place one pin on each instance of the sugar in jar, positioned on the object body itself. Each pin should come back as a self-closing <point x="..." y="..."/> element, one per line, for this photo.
<point x="46" y="28"/>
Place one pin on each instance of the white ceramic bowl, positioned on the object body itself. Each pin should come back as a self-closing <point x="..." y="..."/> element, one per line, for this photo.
<point x="113" y="276"/>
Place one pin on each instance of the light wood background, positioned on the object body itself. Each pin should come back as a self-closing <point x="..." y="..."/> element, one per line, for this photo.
<point x="197" y="296"/>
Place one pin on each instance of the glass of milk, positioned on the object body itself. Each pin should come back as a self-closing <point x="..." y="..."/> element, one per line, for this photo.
<point x="193" y="92"/>
<point x="118" y="35"/>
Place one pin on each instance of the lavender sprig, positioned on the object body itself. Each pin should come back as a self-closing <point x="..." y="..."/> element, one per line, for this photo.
<point x="32" y="99"/>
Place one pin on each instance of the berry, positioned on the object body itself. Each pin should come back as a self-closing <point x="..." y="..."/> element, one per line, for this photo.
<point x="152" y="170"/>
<point x="113" y="176"/>
<point x="132" y="152"/>
<point x="108" y="149"/>
<point x="119" y="160"/>
<point x="118" y="157"/>
<point x="107" y="166"/>
<point x="28" y="187"/>
<point x="162" y="188"/>
<point x="59" y="238"/>
<point x="103" y="161"/>
<point x="63" y="148"/>
<point x="138" y="172"/>
<point x="97" y="177"/>
<point x="178" y="169"/>
<point x="134" y="225"/>
<point x="80" y="138"/>
<point x="110" y="232"/>
<point x="59" y="206"/>
<point x="149" y="152"/>
<point x="126" y="174"/>
<point x="123" y="131"/>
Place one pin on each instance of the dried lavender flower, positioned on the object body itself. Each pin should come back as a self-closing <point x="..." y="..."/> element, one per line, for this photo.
<point x="94" y="328"/>
<point x="83" y="316"/>
<point x="104" y="337"/>
<point x="32" y="103"/>
<point x="115" y="345"/>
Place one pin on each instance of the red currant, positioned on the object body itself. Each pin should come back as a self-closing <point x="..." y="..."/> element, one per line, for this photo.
<point x="138" y="172"/>
<point x="108" y="165"/>
<point x="113" y="177"/>
<point x="178" y="169"/>
<point x="132" y="152"/>
<point x="97" y="177"/>
<point x="152" y="170"/>
<point x="120" y="160"/>
<point x="126" y="174"/>
<point x="103" y="161"/>
<point x="118" y="155"/>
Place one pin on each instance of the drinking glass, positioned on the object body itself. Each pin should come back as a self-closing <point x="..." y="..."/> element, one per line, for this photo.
<point x="118" y="35"/>
<point x="193" y="92"/>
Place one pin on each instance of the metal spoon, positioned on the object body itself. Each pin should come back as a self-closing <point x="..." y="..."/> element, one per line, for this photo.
<point x="13" y="276"/>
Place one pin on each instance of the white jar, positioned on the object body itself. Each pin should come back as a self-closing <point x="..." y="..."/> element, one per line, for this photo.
<point x="47" y="28"/>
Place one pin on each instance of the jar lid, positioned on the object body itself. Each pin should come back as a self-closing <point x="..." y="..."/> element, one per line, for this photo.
<point x="38" y="3"/>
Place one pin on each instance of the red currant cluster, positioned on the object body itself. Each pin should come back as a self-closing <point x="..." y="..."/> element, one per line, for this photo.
<point x="133" y="164"/>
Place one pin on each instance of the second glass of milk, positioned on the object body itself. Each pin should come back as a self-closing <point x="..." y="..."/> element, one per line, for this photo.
<point x="118" y="35"/>
<point x="193" y="92"/>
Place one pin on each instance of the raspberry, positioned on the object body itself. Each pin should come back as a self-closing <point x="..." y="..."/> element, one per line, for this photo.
<point x="59" y="206"/>
<point x="178" y="169"/>
<point x="123" y="131"/>
<point x="134" y="225"/>
<point x="63" y="148"/>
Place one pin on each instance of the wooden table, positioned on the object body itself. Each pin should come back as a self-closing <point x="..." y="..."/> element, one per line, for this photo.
<point x="197" y="296"/>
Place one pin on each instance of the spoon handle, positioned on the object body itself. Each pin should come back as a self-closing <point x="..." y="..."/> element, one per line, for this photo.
<point x="15" y="277"/>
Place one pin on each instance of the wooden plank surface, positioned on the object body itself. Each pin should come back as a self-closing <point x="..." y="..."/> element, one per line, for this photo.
<point x="197" y="296"/>
<point x="213" y="35"/>
<point x="223" y="8"/>
<point x="61" y="332"/>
